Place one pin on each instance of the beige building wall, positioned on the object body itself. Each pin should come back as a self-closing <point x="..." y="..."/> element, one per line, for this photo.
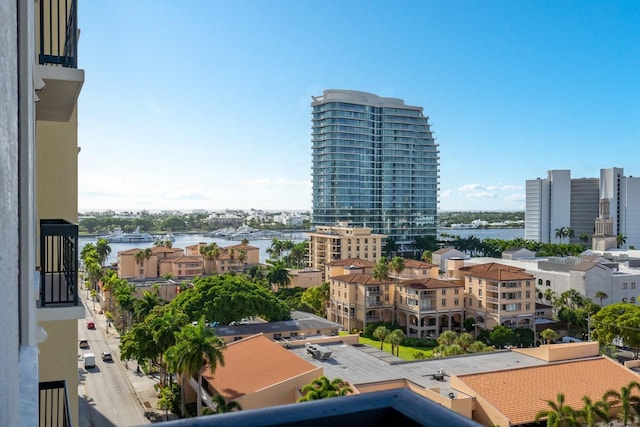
<point x="330" y="243"/>
<point x="281" y="393"/>
<point x="58" y="358"/>
<point x="307" y="278"/>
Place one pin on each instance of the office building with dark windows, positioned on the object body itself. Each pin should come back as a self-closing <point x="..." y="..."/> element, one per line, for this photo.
<point x="375" y="164"/>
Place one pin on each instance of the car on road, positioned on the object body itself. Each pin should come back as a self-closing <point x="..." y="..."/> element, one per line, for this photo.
<point x="91" y="325"/>
<point x="106" y="356"/>
<point x="83" y="344"/>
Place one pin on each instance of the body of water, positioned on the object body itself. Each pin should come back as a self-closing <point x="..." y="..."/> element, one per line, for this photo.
<point x="184" y="240"/>
<point x="486" y="233"/>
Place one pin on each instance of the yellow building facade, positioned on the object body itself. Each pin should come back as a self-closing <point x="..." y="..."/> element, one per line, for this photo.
<point x="57" y="82"/>
<point x="332" y="243"/>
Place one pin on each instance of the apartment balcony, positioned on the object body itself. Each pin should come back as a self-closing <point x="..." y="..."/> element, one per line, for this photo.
<point x="54" y="404"/>
<point x="58" y="80"/>
<point x="373" y="302"/>
<point x="380" y="408"/>
<point x="58" y="271"/>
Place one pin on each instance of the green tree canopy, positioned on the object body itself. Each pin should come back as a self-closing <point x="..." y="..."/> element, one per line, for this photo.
<point x="225" y="299"/>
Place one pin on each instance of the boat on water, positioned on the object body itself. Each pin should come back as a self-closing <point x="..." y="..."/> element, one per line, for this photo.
<point x="169" y="237"/>
<point x="118" y="236"/>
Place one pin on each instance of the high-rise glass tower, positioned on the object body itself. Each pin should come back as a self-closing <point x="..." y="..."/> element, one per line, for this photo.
<point x="375" y="164"/>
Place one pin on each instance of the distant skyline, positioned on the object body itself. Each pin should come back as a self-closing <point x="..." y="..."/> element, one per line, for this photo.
<point x="206" y="104"/>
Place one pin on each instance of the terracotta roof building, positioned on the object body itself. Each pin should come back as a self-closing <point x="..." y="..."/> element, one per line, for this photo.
<point x="259" y="373"/>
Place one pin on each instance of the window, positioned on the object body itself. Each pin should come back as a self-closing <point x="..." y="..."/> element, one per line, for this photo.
<point x="470" y="291"/>
<point x="528" y="294"/>
<point x="633" y="285"/>
<point x="470" y="280"/>
<point x="443" y="302"/>
<point x="470" y="301"/>
<point x="548" y="283"/>
<point x="456" y="291"/>
<point x="479" y="292"/>
<point x="527" y="306"/>
<point x="479" y="304"/>
<point x="528" y="284"/>
<point x="277" y="336"/>
<point x="624" y="286"/>
<point x="539" y="281"/>
<point x="455" y="301"/>
<point x="444" y="292"/>
<point x="479" y="281"/>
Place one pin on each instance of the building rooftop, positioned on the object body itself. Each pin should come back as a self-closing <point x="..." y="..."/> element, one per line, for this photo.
<point x="300" y="322"/>
<point x="522" y="392"/>
<point x="364" y="364"/>
<point x="252" y="364"/>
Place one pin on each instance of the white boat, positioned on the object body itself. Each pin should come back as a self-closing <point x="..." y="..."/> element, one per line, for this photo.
<point x="118" y="236"/>
<point x="169" y="237"/>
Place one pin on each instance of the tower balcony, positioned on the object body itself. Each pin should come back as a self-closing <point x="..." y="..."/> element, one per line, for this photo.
<point x="58" y="80"/>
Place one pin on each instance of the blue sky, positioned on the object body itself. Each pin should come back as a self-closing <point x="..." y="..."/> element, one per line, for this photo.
<point x="205" y="104"/>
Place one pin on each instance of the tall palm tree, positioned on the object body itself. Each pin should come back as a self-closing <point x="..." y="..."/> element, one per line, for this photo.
<point x="222" y="406"/>
<point x="558" y="413"/>
<point x="561" y="233"/>
<point x="381" y="333"/>
<point x="279" y="275"/>
<point x="196" y="347"/>
<point x="103" y="249"/>
<point x="601" y="295"/>
<point x="447" y="338"/>
<point x="143" y="306"/>
<point x="381" y="269"/>
<point x="593" y="412"/>
<point x="395" y="339"/>
<point x="397" y="265"/>
<point x="629" y="404"/>
<point x="549" y="335"/>
<point x="584" y="237"/>
<point x="620" y="240"/>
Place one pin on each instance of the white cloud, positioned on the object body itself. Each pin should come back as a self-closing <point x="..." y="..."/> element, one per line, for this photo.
<point x="470" y="187"/>
<point x="445" y="194"/>
<point x="481" y="195"/>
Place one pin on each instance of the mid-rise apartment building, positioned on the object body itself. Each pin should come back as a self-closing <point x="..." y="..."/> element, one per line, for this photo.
<point x="343" y="241"/>
<point x="38" y="234"/>
<point x="375" y="164"/>
<point x="560" y="201"/>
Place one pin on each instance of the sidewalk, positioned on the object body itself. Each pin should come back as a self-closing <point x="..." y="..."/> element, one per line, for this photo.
<point x="142" y="385"/>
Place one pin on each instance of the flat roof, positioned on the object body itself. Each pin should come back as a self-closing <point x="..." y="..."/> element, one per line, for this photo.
<point x="364" y="364"/>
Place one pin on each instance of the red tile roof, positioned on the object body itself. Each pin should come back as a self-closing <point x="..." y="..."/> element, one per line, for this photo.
<point x="520" y="394"/>
<point x="252" y="364"/>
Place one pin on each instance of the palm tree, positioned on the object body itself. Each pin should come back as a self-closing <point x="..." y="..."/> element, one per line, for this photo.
<point x="196" y="346"/>
<point x="447" y="338"/>
<point x="560" y="233"/>
<point x="584" y="237"/>
<point x="139" y="257"/>
<point x="601" y="295"/>
<point x="144" y="305"/>
<point x="427" y="256"/>
<point x="381" y="269"/>
<point x="103" y="249"/>
<point x="591" y="413"/>
<point x="620" y="240"/>
<point x="549" y="335"/>
<point x="222" y="406"/>
<point x="397" y="265"/>
<point x="279" y="275"/>
<point x="558" y="413"/>
<point x="395" y="339"/>
<point x="322" y="388"/>
<point x="569" y="233"/>
<point x="628" y="404"/>
<point x="381" y="333"/>
<point x="109" y="317"/>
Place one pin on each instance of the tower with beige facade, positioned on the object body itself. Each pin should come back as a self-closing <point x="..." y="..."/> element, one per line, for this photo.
<point x="342" y="241"/>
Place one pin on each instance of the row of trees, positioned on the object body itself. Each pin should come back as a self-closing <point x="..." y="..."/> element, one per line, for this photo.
<point x="593" y="413"/>
<point x="392" y="337"/>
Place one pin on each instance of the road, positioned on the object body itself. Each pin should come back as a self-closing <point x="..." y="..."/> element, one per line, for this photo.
<point x="106" y="398"/>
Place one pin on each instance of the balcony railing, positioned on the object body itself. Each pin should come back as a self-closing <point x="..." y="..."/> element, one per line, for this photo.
<point x="58" y="42"/>
<point x="58" y="262"/>
<point x="54" y="404"/>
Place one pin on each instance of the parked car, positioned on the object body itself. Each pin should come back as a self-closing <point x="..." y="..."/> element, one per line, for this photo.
<point x="91" y="325"/>
<point x="106" y="356"/>
<point x="83" y="343"/>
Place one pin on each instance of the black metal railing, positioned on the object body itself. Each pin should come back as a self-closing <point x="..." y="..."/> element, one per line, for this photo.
<point x="54" y="404"/>
<point x="58" y="41"/>
<point x="58" y="262"/>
